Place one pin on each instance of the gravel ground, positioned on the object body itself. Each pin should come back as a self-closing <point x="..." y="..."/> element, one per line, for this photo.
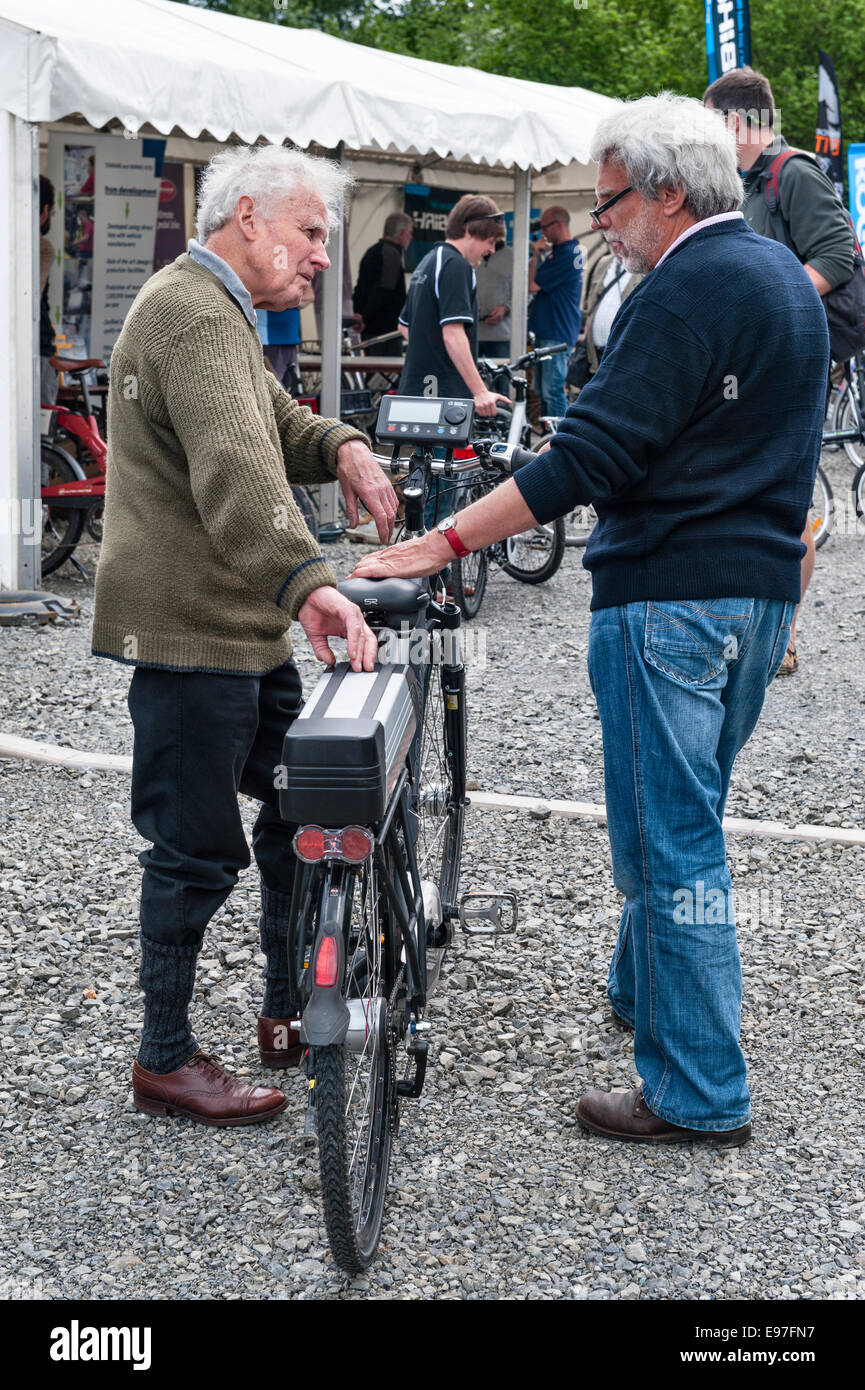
<point x="496" y="1192"/>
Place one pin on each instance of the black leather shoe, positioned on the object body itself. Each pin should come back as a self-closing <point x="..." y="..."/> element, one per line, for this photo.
<point x="625" y="1115"/>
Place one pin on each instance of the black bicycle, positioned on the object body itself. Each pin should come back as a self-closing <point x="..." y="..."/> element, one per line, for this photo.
<point x="374" y="774"/>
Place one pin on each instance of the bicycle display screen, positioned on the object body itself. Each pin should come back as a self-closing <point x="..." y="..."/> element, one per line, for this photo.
<point x="424" y="420"/>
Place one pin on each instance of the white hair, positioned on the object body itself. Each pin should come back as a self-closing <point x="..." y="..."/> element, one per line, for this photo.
<point x="668" y="141"/>
<point x="268" y="174"/>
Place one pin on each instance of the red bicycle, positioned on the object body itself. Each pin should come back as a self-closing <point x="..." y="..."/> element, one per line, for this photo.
<point x="74" y="457"/>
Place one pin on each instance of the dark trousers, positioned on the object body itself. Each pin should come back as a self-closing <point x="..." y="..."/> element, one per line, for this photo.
<point x="199" y="740"/>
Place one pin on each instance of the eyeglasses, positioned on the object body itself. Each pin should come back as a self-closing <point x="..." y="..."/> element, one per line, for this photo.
<point x="597" y="213"/>
<point x="552" y="222"/>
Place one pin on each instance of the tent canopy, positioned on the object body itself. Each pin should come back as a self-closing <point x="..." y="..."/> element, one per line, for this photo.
<point x="171" y="65"/>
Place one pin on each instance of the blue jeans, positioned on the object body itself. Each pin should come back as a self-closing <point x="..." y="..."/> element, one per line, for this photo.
<point x="679" y="687"/>
<point x="550" y="380"/>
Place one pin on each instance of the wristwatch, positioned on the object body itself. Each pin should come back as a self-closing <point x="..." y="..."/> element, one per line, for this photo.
<point x="448" y="528"/>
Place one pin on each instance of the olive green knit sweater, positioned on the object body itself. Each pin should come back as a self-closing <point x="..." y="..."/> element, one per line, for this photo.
<point x="206" y="558"/>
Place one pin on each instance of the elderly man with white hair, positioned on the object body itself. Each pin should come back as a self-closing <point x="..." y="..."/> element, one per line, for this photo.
<point x="206" y="562"/>
<point x="697" y="440"/>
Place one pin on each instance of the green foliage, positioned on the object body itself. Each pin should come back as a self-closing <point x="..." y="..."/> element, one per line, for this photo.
<point x="623" y="48"/>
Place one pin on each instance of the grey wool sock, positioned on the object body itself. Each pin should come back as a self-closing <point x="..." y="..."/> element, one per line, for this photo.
<point x="167" y="977"/>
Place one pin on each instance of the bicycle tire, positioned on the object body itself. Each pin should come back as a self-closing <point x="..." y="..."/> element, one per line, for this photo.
<point x="439" y="777"/>
<point x="546" y="542"/>
<point x="469" y="575"/>
<point x="844" y="418"/>
<point x="61" y="526"/>
<point x="307" y="508"/>
<point x="469" y="582"/>
<point x="822" y="509"/>
<point x="355" y="1091"/>
<point x="859" y="491"/>
<point x="581" y="522"/>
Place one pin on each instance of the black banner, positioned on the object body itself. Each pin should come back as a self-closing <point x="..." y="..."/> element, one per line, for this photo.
<point x="827" y="144"/>
<point x="428" y="209"/>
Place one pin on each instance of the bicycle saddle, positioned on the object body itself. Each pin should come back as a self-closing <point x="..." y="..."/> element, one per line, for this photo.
<point x="390" y="595"/>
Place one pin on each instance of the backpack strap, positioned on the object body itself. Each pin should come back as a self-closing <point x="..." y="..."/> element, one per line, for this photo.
<point x="771" y="176"/>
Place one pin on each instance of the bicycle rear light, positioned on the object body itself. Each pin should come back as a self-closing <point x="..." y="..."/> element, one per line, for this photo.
<point x="357" y="844"/>
<point x="352" y="845"/>
<point x="327" y="963"/>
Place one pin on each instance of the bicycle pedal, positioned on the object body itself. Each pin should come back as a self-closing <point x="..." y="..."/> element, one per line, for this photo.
<point x="488" y="914"/>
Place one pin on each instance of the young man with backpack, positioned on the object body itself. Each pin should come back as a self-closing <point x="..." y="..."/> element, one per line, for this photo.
<point x="789" y="198"/>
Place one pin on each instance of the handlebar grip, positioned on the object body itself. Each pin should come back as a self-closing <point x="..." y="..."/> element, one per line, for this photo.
<point x="520" y="457"/>
<point x="557" y="347"/>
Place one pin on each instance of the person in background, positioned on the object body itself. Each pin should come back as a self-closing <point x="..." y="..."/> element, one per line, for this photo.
<point x="47" y="344"/>
<point x="279" y="332"/>
<point x="554" y="316"/>
<point x="608" y="285"/>
<point x="810" y="218"/>
<point x="440" y="316"/>
<point x="495" y="276"/>
<point x="379" y="294"/>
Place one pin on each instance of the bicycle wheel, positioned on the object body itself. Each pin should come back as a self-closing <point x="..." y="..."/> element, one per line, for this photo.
<point x="355" y="1089"/>
<point x="821" y="509"/>
<point x="534" y="556"/>
<point x="580" y="523"/>
<point x="845" y="418"/>
<point x="469" y="582"/>
<point x="859" y="491"/>
<point x="61" y="526"/>
<point x="307" y="508"/>
<point x="439" y="779"/>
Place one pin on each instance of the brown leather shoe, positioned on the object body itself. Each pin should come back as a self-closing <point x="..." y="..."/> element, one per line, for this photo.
<point x="625" y="1115"/>
<point x="279" y="1042"/>
<point x="203" y="1090"/>
<point x="790" y="664"/>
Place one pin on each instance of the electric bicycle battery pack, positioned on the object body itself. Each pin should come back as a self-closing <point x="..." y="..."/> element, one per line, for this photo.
<point x="345" y="750"/>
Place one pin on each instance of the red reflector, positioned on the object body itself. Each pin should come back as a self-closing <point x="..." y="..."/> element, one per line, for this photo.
<point x="327" y="962"/>
<point x="309" y="843"/>
<point x="357" y="844"/>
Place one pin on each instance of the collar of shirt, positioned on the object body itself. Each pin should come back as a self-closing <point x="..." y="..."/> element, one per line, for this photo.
<point x="230" y="279"/>
<point x="698" y="227"/>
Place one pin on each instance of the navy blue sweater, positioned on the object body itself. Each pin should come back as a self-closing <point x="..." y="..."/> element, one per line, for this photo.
<point x="698" y="438"/>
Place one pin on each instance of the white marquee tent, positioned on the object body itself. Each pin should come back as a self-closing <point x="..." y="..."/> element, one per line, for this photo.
<point x="157" y="66"/>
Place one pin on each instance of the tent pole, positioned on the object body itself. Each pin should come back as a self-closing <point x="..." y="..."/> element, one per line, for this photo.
<point x="520" y="295"/>
<point x="331" y="353"/>
<point x="20" y="516"/>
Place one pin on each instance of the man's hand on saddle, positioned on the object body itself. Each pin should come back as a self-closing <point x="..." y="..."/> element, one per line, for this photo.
<point x="421" y="555"/>
<point x="361" y="479"/>
<point x="326" y="613"/>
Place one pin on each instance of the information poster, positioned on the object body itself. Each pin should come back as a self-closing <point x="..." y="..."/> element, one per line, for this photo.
<point x="107" y="192"/>
<point x="127" y="182"/>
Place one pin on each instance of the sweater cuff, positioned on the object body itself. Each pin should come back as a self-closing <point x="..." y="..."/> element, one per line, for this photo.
<point x="299" y="584"/>
<point x="331" y="441"/>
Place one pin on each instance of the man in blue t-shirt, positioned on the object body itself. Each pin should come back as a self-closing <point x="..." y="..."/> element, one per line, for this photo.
<point x="554" y="316"/>
<point x="279" y="331"/>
